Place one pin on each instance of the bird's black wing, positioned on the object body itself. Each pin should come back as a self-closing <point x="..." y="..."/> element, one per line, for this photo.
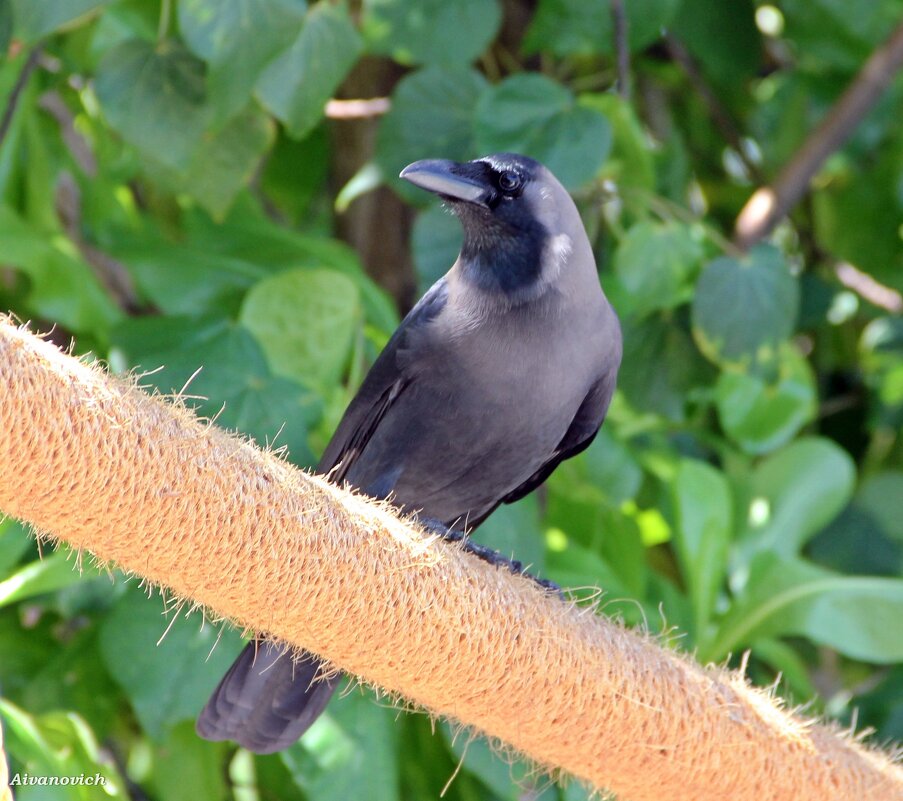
<point x="581" y="432"/>
<point x="390" y="375"/>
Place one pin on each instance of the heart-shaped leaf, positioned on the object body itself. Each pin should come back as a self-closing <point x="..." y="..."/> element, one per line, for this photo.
<point x="743" y="307"/>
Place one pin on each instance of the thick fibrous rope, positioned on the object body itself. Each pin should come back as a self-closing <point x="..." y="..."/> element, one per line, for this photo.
<point x="98" y="464"/>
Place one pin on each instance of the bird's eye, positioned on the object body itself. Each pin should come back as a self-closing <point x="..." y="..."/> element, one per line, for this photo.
<point x="509" y="181"/>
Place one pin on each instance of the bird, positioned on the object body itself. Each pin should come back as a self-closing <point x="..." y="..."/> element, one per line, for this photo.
<point x="502" y="370"/>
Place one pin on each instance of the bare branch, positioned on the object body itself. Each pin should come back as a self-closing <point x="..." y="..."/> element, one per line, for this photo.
<point x="868" y="288"/>
<point x="621" y="47"/>
<point x="357" y="109"/>
<point x="770" y="204"/>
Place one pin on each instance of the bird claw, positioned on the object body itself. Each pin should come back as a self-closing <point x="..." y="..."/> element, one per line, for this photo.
<point x="493" y="557"/>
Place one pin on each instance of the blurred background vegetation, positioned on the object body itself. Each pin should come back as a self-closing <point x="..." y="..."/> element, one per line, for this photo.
<point x="187" y="184"/>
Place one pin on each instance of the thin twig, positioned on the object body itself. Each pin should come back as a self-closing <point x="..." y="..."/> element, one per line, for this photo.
<point x="77" y="145"/>
<point x="876" y="293"/>
<point x="357" y="109"/>
<point x="720" y="115"/>
<point x="769" y="204"/>
<point x="622" y="47"/>
<point x="111" y="273"/>
<point x="9" y="112"/>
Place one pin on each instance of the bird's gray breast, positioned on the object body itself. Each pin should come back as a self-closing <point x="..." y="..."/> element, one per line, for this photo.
<point x="485" y="407"/>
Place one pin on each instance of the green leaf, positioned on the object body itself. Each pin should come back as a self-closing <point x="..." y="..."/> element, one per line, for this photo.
<point x="187" y="768"/>
<point x="252" y="238"/>
<point x="293" y="179"/>
<point x="881" y="496"/>
<point x="154" y="97"/>
<point x="119" y="23"/>
<point x="788" y="664"/>
<point x="855" y="542"/>
<point x="761" y="415"/>
<point x="71" y="675"/>
<point x="581" y="569"/>
<point x="515" y="530"/>
<point x="881" y="348"/>
<point x="655" y="264"/>
<point x="581" y="513"/>
<point x="607" y="465"/>
<point x="442" y="32"/>
<point x="435" y="244"/>
<point x="882" y="702"/>
<point x="505" y="778"/>
<point x="227" y="162"/>
<point x="188" y="278"/>
<point x="857" y="214"/>
<point x="234" y="383"/>
<point x="43" y="575"/>
<point x="58" y="744"/>
<point x="168" y="682"/>
<point x="14" y="542"/>
<point x="63" y="287"/>
<point x="578" y="27"/>
<point x="297" y="84"/>
<point x="350" y="752"/>
<point x="722" y="38"/>
<point x="611" y="467"/>
<point x="6" y="24"/>
<point x="366" y="179"/>
<point x="432" y="114"/>
<point x="631" y="164"/>
<point x="534" y="115"/>
<point x="867" y="537"/>
<point x="237" y="39"/>
<point x="859" y="616"/>
<point x="835" y="35"/>
<point x="34" y="19"/>
<point x="659" y="367"/>
<point x="305" y="322"/>
<point x="744" y="307"/>
<point x="620" y="543"/>
<point x="796" y="492"/>
<point x="703" y="508"/>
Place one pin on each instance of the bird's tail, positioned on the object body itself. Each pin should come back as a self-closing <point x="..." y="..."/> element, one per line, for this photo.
<point x="267" y="699"/>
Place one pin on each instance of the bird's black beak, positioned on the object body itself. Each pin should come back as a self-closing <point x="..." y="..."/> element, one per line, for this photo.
<point x="449" y="180"/>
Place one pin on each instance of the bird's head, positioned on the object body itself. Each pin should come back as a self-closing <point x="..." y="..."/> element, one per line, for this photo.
<point x="520" y="224"/>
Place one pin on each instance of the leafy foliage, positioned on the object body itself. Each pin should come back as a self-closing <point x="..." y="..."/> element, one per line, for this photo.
<point x="166" y="198"/>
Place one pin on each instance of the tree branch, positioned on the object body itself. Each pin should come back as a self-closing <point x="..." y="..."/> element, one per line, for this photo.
<point x="18" y="87"/>
<point x="769" y="205"/>
<point x="96" y="463"/>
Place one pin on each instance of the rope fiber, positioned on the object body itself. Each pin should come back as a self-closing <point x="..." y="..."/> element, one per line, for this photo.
<point x="92" y="461"/>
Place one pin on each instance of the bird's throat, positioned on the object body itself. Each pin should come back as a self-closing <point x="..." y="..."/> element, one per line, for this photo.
<point x="504" y="261"/>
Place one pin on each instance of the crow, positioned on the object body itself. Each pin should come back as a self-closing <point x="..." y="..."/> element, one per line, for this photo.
<point x="501" y="371"/>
